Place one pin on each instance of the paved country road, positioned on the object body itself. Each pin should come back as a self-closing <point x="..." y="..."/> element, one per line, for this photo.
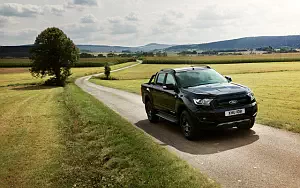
<point x="263" y="157"/>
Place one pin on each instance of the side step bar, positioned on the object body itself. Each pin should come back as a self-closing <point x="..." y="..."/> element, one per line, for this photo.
<point x="167" y="117"/>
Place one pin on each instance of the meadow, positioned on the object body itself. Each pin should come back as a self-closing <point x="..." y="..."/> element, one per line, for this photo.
<point x="276" y="87"/>
<point x="63" y="137"/>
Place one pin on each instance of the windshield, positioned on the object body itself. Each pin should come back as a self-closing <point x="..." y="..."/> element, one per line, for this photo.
<point x="199" y="77"/>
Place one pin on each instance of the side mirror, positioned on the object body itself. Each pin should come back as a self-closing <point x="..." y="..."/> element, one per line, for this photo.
<point x="229" y="79"/>
<point x="169" y="87"/>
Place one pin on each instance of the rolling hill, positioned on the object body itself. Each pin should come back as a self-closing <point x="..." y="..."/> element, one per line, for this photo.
<point x="292" y="41"/>
<point x="103" y="48"/>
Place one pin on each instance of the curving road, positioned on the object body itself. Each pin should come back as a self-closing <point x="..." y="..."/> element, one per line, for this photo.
<point x="263" y="157"/>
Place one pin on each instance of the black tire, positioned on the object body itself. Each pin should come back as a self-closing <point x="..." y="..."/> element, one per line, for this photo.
<point x="249" y="126"/>
<point x="152" y="117"/>
<point x="188" y="128"/>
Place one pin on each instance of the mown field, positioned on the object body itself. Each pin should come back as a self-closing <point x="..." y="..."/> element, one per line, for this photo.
<point x="21" y="76"/>
<point x="83" y="62"/>
<point x="63" y="137"/>
<point x="224" y="59"/>
<point x="276" y="87"/>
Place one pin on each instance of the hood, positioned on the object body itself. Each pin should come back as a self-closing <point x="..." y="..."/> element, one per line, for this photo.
<point x="217" y="89"/>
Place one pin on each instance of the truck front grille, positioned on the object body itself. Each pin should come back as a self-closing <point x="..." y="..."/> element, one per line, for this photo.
<point x="234" y="100"/>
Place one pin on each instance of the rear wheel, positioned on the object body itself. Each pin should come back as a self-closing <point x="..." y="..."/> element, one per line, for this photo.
<point x="187" y="126"/>
<point x="249" y="126"/>
<point x="152" y="117"/>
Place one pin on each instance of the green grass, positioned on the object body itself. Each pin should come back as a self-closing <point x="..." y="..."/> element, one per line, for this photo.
<point x="104" y="150"/>
<point x="63" y="137"/>
<point x="83" y="62"/>
<point x="276" y="87"/>
<point x="278" y="97"/>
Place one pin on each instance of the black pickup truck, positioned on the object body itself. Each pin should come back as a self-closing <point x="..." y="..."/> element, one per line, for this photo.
<point x="198" y="98"/>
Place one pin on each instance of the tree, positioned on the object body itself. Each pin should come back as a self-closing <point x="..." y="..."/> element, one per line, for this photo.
<point x="107" y="70"/>
<point x="53" y="54"/>
<point x="86" y="55"/>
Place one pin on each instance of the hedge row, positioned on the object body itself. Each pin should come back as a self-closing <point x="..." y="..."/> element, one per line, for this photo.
<point x="225" y="61"/>
<point x="79" y="64"/>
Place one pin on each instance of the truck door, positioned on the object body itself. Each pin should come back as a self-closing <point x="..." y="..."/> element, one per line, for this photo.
<point x="158" y="91"/>
<point x="169" y="95"/>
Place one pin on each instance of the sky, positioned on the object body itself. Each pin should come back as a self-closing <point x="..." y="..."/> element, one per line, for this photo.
<point x="139" y="22"/>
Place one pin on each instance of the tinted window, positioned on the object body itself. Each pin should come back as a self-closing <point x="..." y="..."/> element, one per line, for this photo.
<point x="170" y="80"/>
<point x="199" y="77"/>
<point x="160" y="79"/>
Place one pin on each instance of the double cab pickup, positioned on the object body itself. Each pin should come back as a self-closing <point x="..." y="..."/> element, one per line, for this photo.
<point x="198" y="98"/>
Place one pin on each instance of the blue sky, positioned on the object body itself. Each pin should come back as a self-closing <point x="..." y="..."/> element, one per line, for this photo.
<point x="138" y="22"/>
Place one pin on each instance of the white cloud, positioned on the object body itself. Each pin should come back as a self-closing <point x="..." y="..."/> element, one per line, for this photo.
<point x="85" y="2"/>
<point x="20" y="10"/>
<point x="215" y="16"/>
<point x="55" y="9"/>
<point x="136" y="22"/>
<point x="115" y="20"/>
<point x="24" y="36"/>
<point x="81" y="30"/>
<point x="132" y="17"/>
<point x="80" y="4"/>
<point x="3" y="21"/>
<point x="89" y="18"/>
<point x="121" y="26"/>
<point x="175" y="13"/>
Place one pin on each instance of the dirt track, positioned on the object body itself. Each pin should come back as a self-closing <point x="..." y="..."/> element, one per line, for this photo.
<point x="262" y="157"/>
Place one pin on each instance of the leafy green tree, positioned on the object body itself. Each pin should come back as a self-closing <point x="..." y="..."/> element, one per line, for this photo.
<point x="53" y="55"/>
<point x="107" y="70"/>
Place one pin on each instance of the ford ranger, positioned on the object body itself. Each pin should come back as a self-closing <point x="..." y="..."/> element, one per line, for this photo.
<point x="198" y="98"/>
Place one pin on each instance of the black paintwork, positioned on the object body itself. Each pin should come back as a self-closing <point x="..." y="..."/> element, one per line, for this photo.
<point x="173" y="101"/>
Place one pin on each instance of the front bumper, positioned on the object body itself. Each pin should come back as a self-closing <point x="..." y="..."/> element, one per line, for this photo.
<point x="216" y="119"/>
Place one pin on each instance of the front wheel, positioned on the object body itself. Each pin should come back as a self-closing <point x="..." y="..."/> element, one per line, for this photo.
<point x="152" y="117"/>
<point x="187" y="126"/>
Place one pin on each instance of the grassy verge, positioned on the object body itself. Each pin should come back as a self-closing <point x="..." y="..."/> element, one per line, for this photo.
<point x="104" y="150"/>
<point x="275" y="85"/>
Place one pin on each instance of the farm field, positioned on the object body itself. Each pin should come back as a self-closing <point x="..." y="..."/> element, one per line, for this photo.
<point x="20" y="76"/>
<point x="83" y="62"/>
<point x="222" y="59"/>
<point x="88" y="146"/>
<point x="276" y="87"/>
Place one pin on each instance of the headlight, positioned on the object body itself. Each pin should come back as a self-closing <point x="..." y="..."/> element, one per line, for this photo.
<point x="203" y="102"/>
<point x="251" y="95"/>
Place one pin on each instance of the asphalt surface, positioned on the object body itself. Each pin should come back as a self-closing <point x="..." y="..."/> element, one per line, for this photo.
<point x="263" y="157"/>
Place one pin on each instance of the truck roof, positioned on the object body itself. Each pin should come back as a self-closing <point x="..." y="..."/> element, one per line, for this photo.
<point x="185" y="69"/>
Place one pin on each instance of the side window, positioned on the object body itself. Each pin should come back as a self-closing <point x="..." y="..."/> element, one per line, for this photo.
<point x="160" y="79"/>
<point x="152" y="80"/>
<point x="170" y="80"/>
